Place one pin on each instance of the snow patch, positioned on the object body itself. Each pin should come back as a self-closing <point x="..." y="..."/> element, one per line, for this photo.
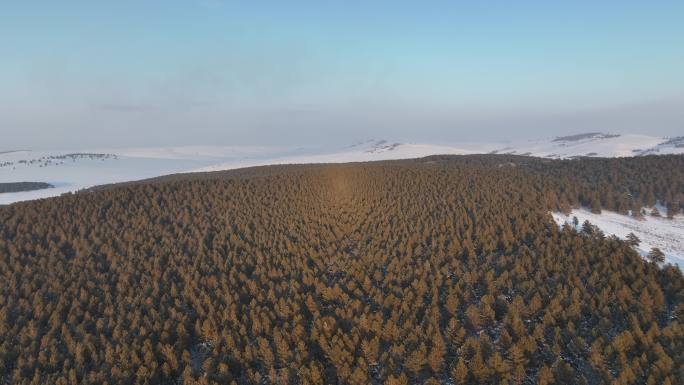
<point x="665" y="234"/>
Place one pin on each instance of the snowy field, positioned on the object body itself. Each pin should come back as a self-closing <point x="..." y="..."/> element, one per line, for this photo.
<point x="665" y="234"/>
<point x="70" y="171"/>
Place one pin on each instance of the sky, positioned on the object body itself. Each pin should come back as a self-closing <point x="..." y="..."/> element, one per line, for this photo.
<point x="170" y="72"/>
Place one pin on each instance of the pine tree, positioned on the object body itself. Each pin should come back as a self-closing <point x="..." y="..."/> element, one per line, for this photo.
<point x="416" y="360"/>
<point x="545" y="376"/>
<point x="633" y="240"/>
<point x="656" y="256"/>
<point x="460" y="372"/>
<point x="436" y="356"/>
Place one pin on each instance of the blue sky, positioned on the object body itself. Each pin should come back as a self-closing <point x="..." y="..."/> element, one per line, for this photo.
<point x="149" y="72"/>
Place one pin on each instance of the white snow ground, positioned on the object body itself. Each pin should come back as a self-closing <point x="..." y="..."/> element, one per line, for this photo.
<point x="71" y="171"/>
<point x="665" y="234"/>
<point x="75" y="173"/>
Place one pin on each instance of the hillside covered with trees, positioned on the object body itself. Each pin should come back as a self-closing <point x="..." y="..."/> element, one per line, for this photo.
<point x="441" y="270"/>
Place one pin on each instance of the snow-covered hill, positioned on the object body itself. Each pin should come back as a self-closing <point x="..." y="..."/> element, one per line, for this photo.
<point x="598" y="145"/>
<point x="70" y="171"/>
<point x="568" y="147"/>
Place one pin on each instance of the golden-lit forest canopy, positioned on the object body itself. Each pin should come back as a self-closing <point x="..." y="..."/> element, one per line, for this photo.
<point x="441" y="270"/>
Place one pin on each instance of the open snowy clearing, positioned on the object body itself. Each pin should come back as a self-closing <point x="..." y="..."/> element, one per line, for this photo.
<point x="70" y="171"/>
<point x="665" y="234"/>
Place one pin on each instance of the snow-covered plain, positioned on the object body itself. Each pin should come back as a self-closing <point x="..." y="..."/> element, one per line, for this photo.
<point x="71" y="171"/>
<point x="665" y="234"/>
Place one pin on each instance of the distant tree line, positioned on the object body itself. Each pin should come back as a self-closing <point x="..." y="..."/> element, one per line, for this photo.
<point x="23" y="186"/>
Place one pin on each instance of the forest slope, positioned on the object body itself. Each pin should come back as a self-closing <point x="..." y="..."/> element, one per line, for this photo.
<point x="447" y="269"/>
